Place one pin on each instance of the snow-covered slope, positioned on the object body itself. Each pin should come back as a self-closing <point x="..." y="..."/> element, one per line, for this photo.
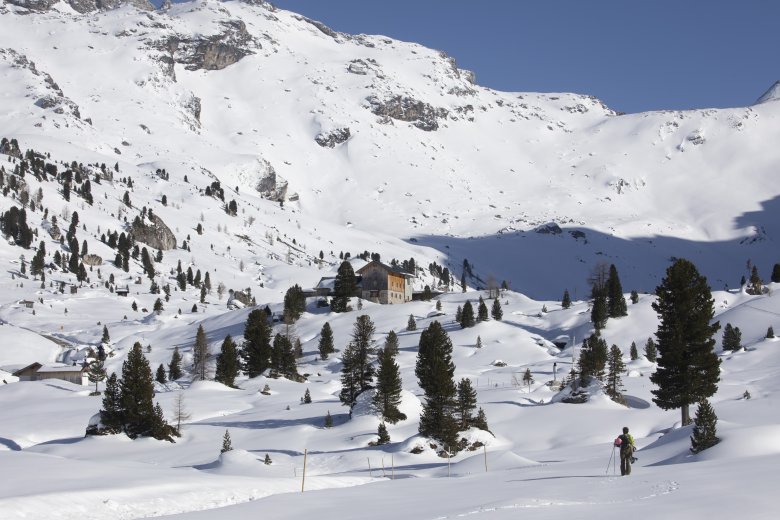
<point x="332" y="143"/>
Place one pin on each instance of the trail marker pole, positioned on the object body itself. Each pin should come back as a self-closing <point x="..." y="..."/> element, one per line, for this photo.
<point x="369" y="468"/>
<point x="392" y="467"/>
<point x="484" y="449"/>
<point x="303" y="479"/>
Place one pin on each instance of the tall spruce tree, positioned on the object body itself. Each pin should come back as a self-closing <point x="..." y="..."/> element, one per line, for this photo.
<point x="732" y="338"/>
<point x="362" y="338"/>
<point x="434" y="370"/>
<point x="496" y="312"/>
<point x="391" y="343"/>
<point x="350" y="376"/>
<point x="705" y="431"/>
<point x="593" y="359"/>
<point x="411" y="323"/>
<point x="200" y="354"/>
<point x="174" y="367"/>
<point x="776" y="273"/>
<point x="111" y="417"/>
<point x="325" y="345"/>
<point x="651" y="352"/>
<point x="294" y="303"/>
<point x="755" y="285"/>
<point x="136" y="393"/>
<point x="227" y="363"/>
<point x="255" y="351"/>
<point x="600" y="311"/>
<point x="388" y="388"/>
<point x="344" y="287"/>
<point x="466" y="404"/>
<point x="615" y="368"/>
<point x="482" y="310"/>
<point x="161" y="376"/>
<point x="566" y="300"/>
<point x="688" y="369"/>
<point x="633" y="352"/>
<point x="616" y="302"/>
<point x="467" y="316"/>
<point x="283" y="358"/>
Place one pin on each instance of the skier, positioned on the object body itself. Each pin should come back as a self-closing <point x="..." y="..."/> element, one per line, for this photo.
<point x="626" y="443"/>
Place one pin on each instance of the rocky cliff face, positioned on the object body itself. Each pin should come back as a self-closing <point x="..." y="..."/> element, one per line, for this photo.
<point x="402" y="108"/>
<point x="83" y="6"/>
<point x="212" y="52"/>
<point x="154" y="233"/>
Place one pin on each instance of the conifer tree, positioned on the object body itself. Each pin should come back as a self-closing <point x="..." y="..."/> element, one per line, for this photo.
<point x="391" y="343"/>
<point x="755" y="285"/>
<point x="105" y="339"/>
<point x="479" y="342"/>
<point x="256" y="349"/>
<point x="136" y="391"/>
<point x="458" y="314"/>
<point x="283" y="358"/>
<point x="776" y="273"/>
<point x="732" y="338"/>
<point x="633" y="352"/>
<point x="688" y="369"/>
<point x="770" y="332"/>
<point x="388" y="388"/>
<point x="593" y="359"/>
<point x="111" y="415"/>
<point x="267" y="460"/>
<point x="350" y="376"/>
<point x="705" y="431"/>
<point x="382" y="436"/>
<point x="480" y="421"/>
<point x="651" y="352"/>
<point x="174" y="367"/>
<point x="96" y="373"/>
<point x="326" y="342"/>
<point x="227" y="363"/>
<point x="307" y="397"/>
<point x="566" y="300"/>
<point x="496" y="312"/>
<point x="344" y="287"/>
<point x="482" y="310"/>
<point x="411" y="324"/>
<point x="434" y="370"/>
<point x="634" y="297"/>
<point x="180" y="412"/>
<point x="294" y="303"/>
<point x="616" y="303"/>
<point x="328" y="420"/>
<point x="466" y="404"/>
<point x="467" y="316"/>
<point x="200" y="353"/>
<point x="615" y="368"/>
<point x="161" y="376"/>
<point x="227" y="445"/>
<point x="600" y="312"/>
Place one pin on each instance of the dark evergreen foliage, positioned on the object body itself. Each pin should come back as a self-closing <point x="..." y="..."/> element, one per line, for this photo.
<point x="593" y="359"/>
<point x="732" y="338"/>
<point x="391" y="343"/>
<point x="466" y="404"/>
<point x="383" y="437"/>
<point x="615" y="368"/>
<point x="256" y="350"/>
<point x="283" y="358"/>
<point x="434" y="370"/>
<point x="388" y="388"/>
<point x="770" y="332"/>
<point x="634" y="297"/>
<point x="200" y="354"/>
<point x="294" y="303"/>
<point x="688" y="369"/>
<point x="307" y="397"/>
<point x="411" y="324"/>
<point x="467" y="316"/>
<point x="174" y="367"/>
<point x="326" y="342"/>
<point x="111" y="414"/>
<point x="161" y="376"/>
<point x="776" y="273"/>
<point x="482" y="310"/>
<point x="633" y="353"/>
<point x="328" y="420"/>
<point x="496" y="312"/>
<point x="599" y="312"/>
<point x="227" y="444"/>
<point x="651" y="352"/>
<point x="705" y="431"/>
<point x="616" y="303"/>
<point x="227" y="363"/>
<point x="344" y="287"/>
<point x="566" y="300"/>
<point x="755" y="285"/>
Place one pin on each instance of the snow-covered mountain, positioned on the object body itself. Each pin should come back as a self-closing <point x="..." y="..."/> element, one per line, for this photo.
<point x="330" y="143"/>
<point x="390" y="139"/>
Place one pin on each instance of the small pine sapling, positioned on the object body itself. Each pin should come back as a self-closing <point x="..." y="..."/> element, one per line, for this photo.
<point x="705" y="429"/>
<point x="226" y="444"/>
<point x="328" y="420"/>
<point x="267" y="460"/>
<point x="633" y="352"/>
<point x="383" y="437"/>
<point x="411" y="324"/>
<point x="307" y="397"/>
<point x="770" y="332"/>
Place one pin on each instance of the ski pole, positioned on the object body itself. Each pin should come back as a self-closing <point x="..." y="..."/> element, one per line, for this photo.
<point x="611" y="457"/>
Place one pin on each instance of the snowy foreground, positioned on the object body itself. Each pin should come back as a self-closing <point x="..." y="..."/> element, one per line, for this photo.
<point x="548" y="458"/>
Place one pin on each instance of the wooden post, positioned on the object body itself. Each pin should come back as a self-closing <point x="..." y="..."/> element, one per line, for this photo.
<point x="484" y="449"/>
<point x="392" y="467"/>
<point x="448" y="463"/>
<point x="383" y="466"/>
<point x="303" y="479"/>
<point x="369" y="468"/>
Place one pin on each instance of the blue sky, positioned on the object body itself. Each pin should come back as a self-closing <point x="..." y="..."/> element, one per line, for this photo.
<point x="634" y="55"/>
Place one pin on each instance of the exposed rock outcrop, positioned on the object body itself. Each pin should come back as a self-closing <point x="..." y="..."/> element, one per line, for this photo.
<point x="212" y="52"/>
<point x="154" y="233"/>
<point x="271" y="186"/>
<point x="83" y="6"/>
<point x="334" y="137"/>
<point x="90" y="259"/>
<point x="551" y="228"/>
<point x="420" y="114"/>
